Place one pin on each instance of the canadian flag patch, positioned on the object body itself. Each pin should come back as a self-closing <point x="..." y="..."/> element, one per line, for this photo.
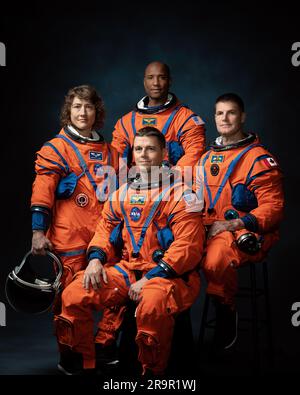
<point x="270" y="162"/>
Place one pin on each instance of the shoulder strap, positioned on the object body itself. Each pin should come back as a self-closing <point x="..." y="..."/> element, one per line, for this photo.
<point x="231" y="167"/>
<point x="81" y="160"/>
<point x="138" y="245"/>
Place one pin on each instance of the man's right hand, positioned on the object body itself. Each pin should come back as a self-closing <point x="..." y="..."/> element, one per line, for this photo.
<point x="93" y="273"/>
<point x="40" y="243"/>
<point x="224" y="226"/>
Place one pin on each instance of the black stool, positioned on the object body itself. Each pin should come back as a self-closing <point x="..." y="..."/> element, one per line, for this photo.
<point x="181" y="358"/>
<point x="253" y="292"/>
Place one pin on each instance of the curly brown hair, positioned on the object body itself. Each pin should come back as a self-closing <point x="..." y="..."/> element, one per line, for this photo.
<point x="83" y="92"/>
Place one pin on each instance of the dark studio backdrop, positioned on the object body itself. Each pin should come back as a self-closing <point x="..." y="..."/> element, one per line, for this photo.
<point x="211" y="50"/>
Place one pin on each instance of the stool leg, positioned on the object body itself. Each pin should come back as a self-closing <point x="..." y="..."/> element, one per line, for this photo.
<point x="182" y="357"/>
<point x="268" y="315"/>
<point x="203" y="322"/>
<point x="256" y="362"/>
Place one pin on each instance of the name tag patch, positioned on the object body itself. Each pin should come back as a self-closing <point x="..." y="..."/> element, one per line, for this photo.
<point x="137" y="199"/>
<point x="217" y="158"/>
<point x="95" y="155"/>
<point x="149" y="121"/>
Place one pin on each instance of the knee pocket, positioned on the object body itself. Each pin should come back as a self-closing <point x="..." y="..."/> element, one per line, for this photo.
<point x="64" y="331"/>
<point x="149" y="350"/>
<point x="157" y="299"/>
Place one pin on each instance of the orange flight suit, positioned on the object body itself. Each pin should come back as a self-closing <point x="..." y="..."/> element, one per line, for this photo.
<point x="242" y="181"/>
<point x="184" y="132"/>
<point x="72" y="221"/>
<point x="146" y="213"/>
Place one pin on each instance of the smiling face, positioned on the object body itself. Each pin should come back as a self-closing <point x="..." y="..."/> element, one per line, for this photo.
<point x="82" y="114"/>
<point x="229" y="120"/>
<point x="156" y="83"/>
<point x="148" y="152"/>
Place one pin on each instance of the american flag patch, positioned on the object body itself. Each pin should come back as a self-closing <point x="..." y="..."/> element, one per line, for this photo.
<point x="189" y="198"/>
<point x="197" y="120"/>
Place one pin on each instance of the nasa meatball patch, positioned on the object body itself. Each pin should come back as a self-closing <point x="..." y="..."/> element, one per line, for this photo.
<point x="135" y="214"/>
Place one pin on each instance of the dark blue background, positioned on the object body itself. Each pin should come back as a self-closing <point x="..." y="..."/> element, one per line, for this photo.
<point x="211" y="49"/>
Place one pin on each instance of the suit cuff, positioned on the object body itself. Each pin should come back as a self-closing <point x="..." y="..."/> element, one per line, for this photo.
<point x="156" y="272"/>
<point x="96" y="253"/>
<point x="250" y="222"/>
<point x="167" y="268"/>
<point x="40" y="218"/>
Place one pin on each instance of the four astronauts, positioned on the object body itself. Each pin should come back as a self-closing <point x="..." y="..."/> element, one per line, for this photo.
<point x="146" y="239"/>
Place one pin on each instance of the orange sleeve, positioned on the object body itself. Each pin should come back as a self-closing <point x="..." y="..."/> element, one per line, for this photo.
<point x="198" y="179"/>
<point x="110" y="218"/>
<point x="191" y="135"/>
<point x="186" y="251"/>
<point x="49" y="168"/>
<point x="268" y="189"/>
<point x="120" y="140"/>
<point x="114" y="158"/>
